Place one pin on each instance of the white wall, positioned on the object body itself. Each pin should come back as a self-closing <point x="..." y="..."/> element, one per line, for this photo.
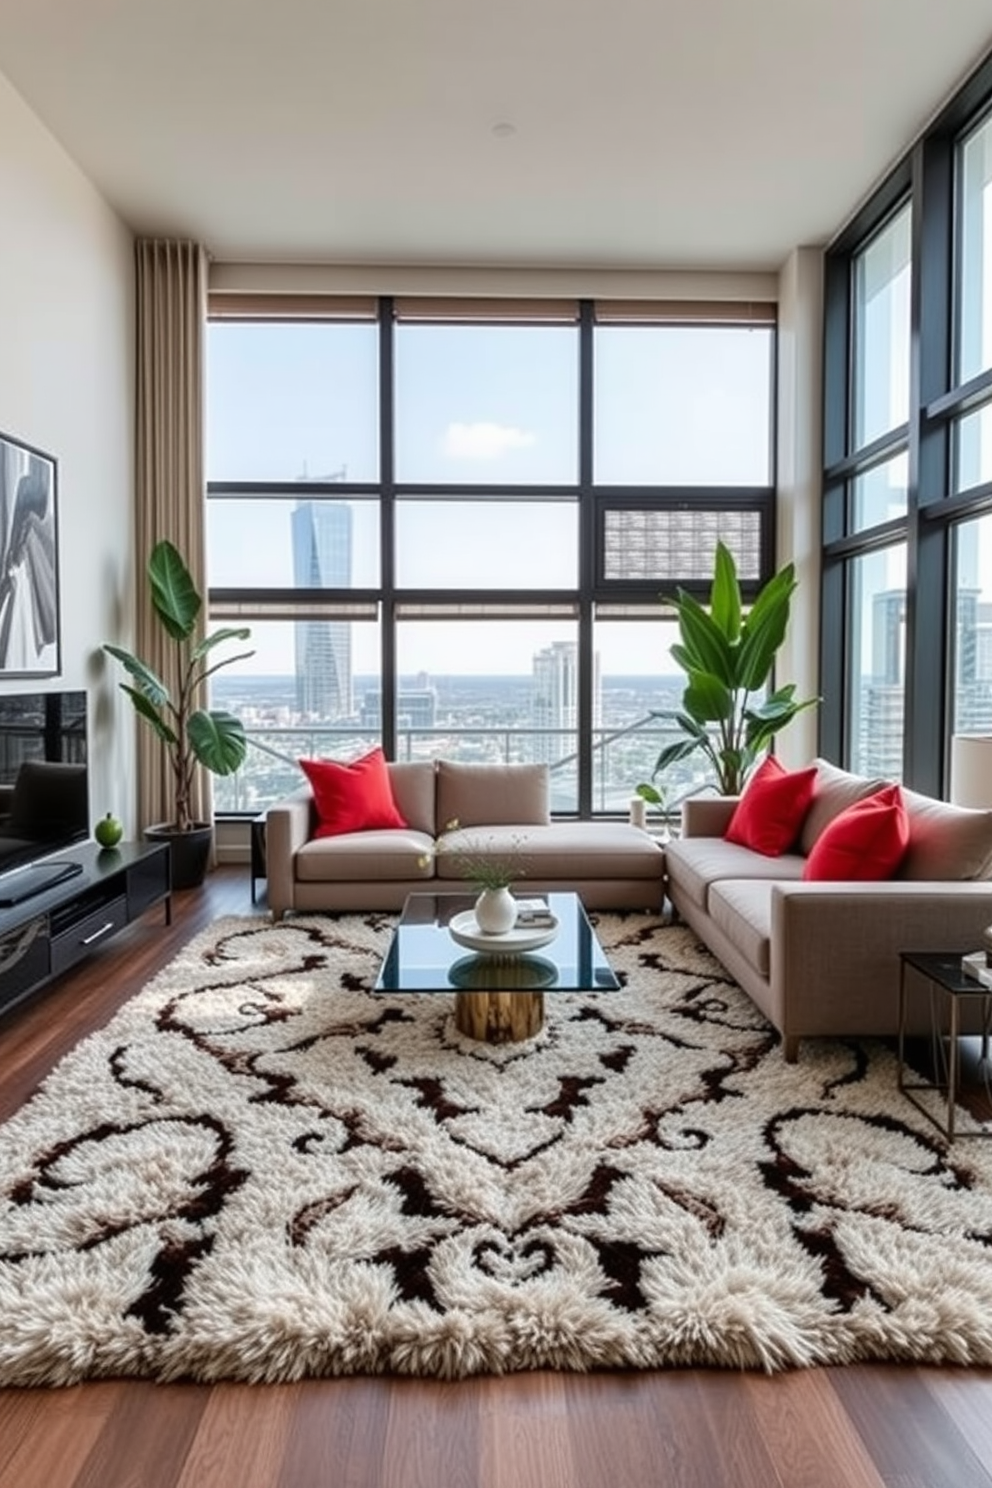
<point x="800" y="463"/>
<point x="66" y="386"/>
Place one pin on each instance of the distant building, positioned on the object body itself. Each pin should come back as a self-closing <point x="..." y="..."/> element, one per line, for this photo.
<point x="973" y="665"/>
<point x="882" y="716"/>
<point x="322" y="550"/>
<point x="416" y="708"/>
<point x="554" y="702"/>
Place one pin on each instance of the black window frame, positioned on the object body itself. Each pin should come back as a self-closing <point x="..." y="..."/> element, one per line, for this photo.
<point x="925" y="177"/>
<point x="592" y="588"/>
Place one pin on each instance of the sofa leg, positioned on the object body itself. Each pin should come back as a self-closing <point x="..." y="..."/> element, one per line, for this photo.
<point x="790" y="1048"/>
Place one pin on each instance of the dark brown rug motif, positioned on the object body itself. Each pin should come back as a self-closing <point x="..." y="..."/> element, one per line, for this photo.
<point x="259" y="1170"/>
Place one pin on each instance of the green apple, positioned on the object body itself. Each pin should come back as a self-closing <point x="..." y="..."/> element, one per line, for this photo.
<point x="108" y="831"/>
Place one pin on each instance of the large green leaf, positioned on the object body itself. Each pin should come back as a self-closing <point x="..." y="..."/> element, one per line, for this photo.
<point x="707" y="699"/>
<point x="217" y="739"/>
<point x="149" y="683"/>
<point x="690" y="726"/>
<point x="776" y="705"/>
<point x="761" y="728"/>
<point x="725" y="595"/>
<point x="782" y="583"/>
<point x="705" y="647"/>
<point x="216" y="637"/>
<point x="762" y="634"/>
<point x="150" y="714"/>
<point x="672" y="753"/>
<point x="174" y="595"/>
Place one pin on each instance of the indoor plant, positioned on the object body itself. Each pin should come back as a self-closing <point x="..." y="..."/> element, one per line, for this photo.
<point x="191" y="734"/>
<point x="727" y="657"/>
<point x="490" y="872"/>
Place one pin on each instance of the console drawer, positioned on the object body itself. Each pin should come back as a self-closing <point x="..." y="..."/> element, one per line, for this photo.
<point x="73" y="943"/>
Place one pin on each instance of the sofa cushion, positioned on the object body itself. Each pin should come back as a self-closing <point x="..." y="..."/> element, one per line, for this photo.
<point x="491" y="795"/>
<point x="770" y="813"/>
<point x="352" y="797"/>
<point x="867" y="841"/>
<point x="946" y="842"/>
<point x="743" y="911"/>
<point x="389" y="855"/>
<point x="833" y="791"/>
<point x="568" y="851"/>
<point x="414" y="792"/>
<point x="693" y="863"/>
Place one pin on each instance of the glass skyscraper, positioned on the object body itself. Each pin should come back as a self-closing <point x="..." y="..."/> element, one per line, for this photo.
<point x="322" y="549"/>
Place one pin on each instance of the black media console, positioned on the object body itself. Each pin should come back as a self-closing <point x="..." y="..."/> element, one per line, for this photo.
<point x="48" y="932"/>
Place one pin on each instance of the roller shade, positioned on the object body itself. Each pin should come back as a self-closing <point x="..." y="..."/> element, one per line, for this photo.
<point x="222" y="306"/>
<point x="686" y="312"/>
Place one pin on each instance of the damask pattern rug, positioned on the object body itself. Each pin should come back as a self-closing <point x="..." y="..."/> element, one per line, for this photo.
<point x="259" y="1170"/>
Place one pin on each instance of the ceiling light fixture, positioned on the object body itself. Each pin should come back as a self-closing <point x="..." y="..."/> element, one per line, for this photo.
<point x="503" y="129"/>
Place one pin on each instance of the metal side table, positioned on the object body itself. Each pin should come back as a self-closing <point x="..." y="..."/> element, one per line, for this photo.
<point x="949" y="988"/>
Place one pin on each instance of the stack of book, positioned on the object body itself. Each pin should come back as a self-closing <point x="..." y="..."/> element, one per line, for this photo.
<point x="533" y="913"/>
<point x="976" y="965"/>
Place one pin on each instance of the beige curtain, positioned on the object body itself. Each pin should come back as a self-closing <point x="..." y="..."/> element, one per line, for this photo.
<point x="171" y="321"/>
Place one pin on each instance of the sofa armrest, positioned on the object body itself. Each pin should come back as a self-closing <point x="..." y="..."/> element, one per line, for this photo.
<point x="835" y="946"/>
<point x="288" y="825"/>
<point x="707" y="816"/>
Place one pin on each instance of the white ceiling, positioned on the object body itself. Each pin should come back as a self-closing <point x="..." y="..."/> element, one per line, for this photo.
<point x="646" y="133"/>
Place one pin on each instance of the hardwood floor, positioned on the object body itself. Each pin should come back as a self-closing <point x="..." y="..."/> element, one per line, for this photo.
<point x="859" y="1427"/>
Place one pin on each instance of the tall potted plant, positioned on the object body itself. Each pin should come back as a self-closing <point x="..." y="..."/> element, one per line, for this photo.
<point x="727" y="657"/>
<point x="191" y="734"/>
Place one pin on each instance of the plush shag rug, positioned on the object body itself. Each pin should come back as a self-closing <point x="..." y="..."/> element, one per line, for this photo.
<point x="261" y="1171"/>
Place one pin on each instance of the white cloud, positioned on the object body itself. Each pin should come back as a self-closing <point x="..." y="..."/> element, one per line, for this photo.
<point x="484" y="441"/>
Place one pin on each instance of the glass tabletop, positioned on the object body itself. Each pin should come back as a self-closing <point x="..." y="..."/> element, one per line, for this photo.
<point x="423" y="957"/>
<point x="944" y="968"/>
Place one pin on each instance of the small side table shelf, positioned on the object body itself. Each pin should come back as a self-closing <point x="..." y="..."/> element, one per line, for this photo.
<point x="950" y="987"/>
<point x="258" y="869"/>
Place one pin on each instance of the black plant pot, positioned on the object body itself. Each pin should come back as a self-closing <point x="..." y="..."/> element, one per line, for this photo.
<point x="189" y="852"/>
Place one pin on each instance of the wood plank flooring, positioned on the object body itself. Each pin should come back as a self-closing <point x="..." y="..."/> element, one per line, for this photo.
<point x="866" y="1426"/>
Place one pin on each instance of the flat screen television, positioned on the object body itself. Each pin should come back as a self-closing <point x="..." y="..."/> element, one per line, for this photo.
<point x="44" y="787"/>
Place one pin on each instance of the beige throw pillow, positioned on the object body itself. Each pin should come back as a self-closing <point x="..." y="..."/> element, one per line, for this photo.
<point x="413" y="788"/>
<point x="491" y="795"/>
<point x="833" y="791"/>
<point x="946" y="842"/>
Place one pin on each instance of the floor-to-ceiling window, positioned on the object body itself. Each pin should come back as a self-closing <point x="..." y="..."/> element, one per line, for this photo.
<point x="452" y="525"/>
<point x="907" y="485"/>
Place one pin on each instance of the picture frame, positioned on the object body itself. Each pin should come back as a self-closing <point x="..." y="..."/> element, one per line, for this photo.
<point x="30" y="621"/>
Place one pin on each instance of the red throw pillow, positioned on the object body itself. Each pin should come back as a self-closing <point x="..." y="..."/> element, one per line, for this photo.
<point x="769" y="815"/>
<point x="866" y="841"/>
<point x="354" y="797"/>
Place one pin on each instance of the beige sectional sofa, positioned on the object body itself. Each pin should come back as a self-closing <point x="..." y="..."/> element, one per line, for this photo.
<point x="822" y="958"/>
<point x="499" y="810"/>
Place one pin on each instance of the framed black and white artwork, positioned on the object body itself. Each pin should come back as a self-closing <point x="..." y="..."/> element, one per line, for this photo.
<point x="29" y="561"/>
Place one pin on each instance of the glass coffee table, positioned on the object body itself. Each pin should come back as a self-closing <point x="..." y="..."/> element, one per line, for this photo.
<point x="499" y="994"/>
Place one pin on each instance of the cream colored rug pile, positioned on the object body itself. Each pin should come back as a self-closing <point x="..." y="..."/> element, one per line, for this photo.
<point x="261" y="1171"/>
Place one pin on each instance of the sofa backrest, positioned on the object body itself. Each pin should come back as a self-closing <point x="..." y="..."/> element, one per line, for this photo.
<point x="945" y="842"/>
<point x="414" y="791"/>
<point x="833" y="791"/>
<point x="491" y="795"/>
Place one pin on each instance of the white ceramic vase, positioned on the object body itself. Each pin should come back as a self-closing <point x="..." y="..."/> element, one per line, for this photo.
<point x="495" y="911"/>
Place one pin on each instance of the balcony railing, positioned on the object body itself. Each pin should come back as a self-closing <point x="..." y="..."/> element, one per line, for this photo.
<point x="622" y="758"/>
